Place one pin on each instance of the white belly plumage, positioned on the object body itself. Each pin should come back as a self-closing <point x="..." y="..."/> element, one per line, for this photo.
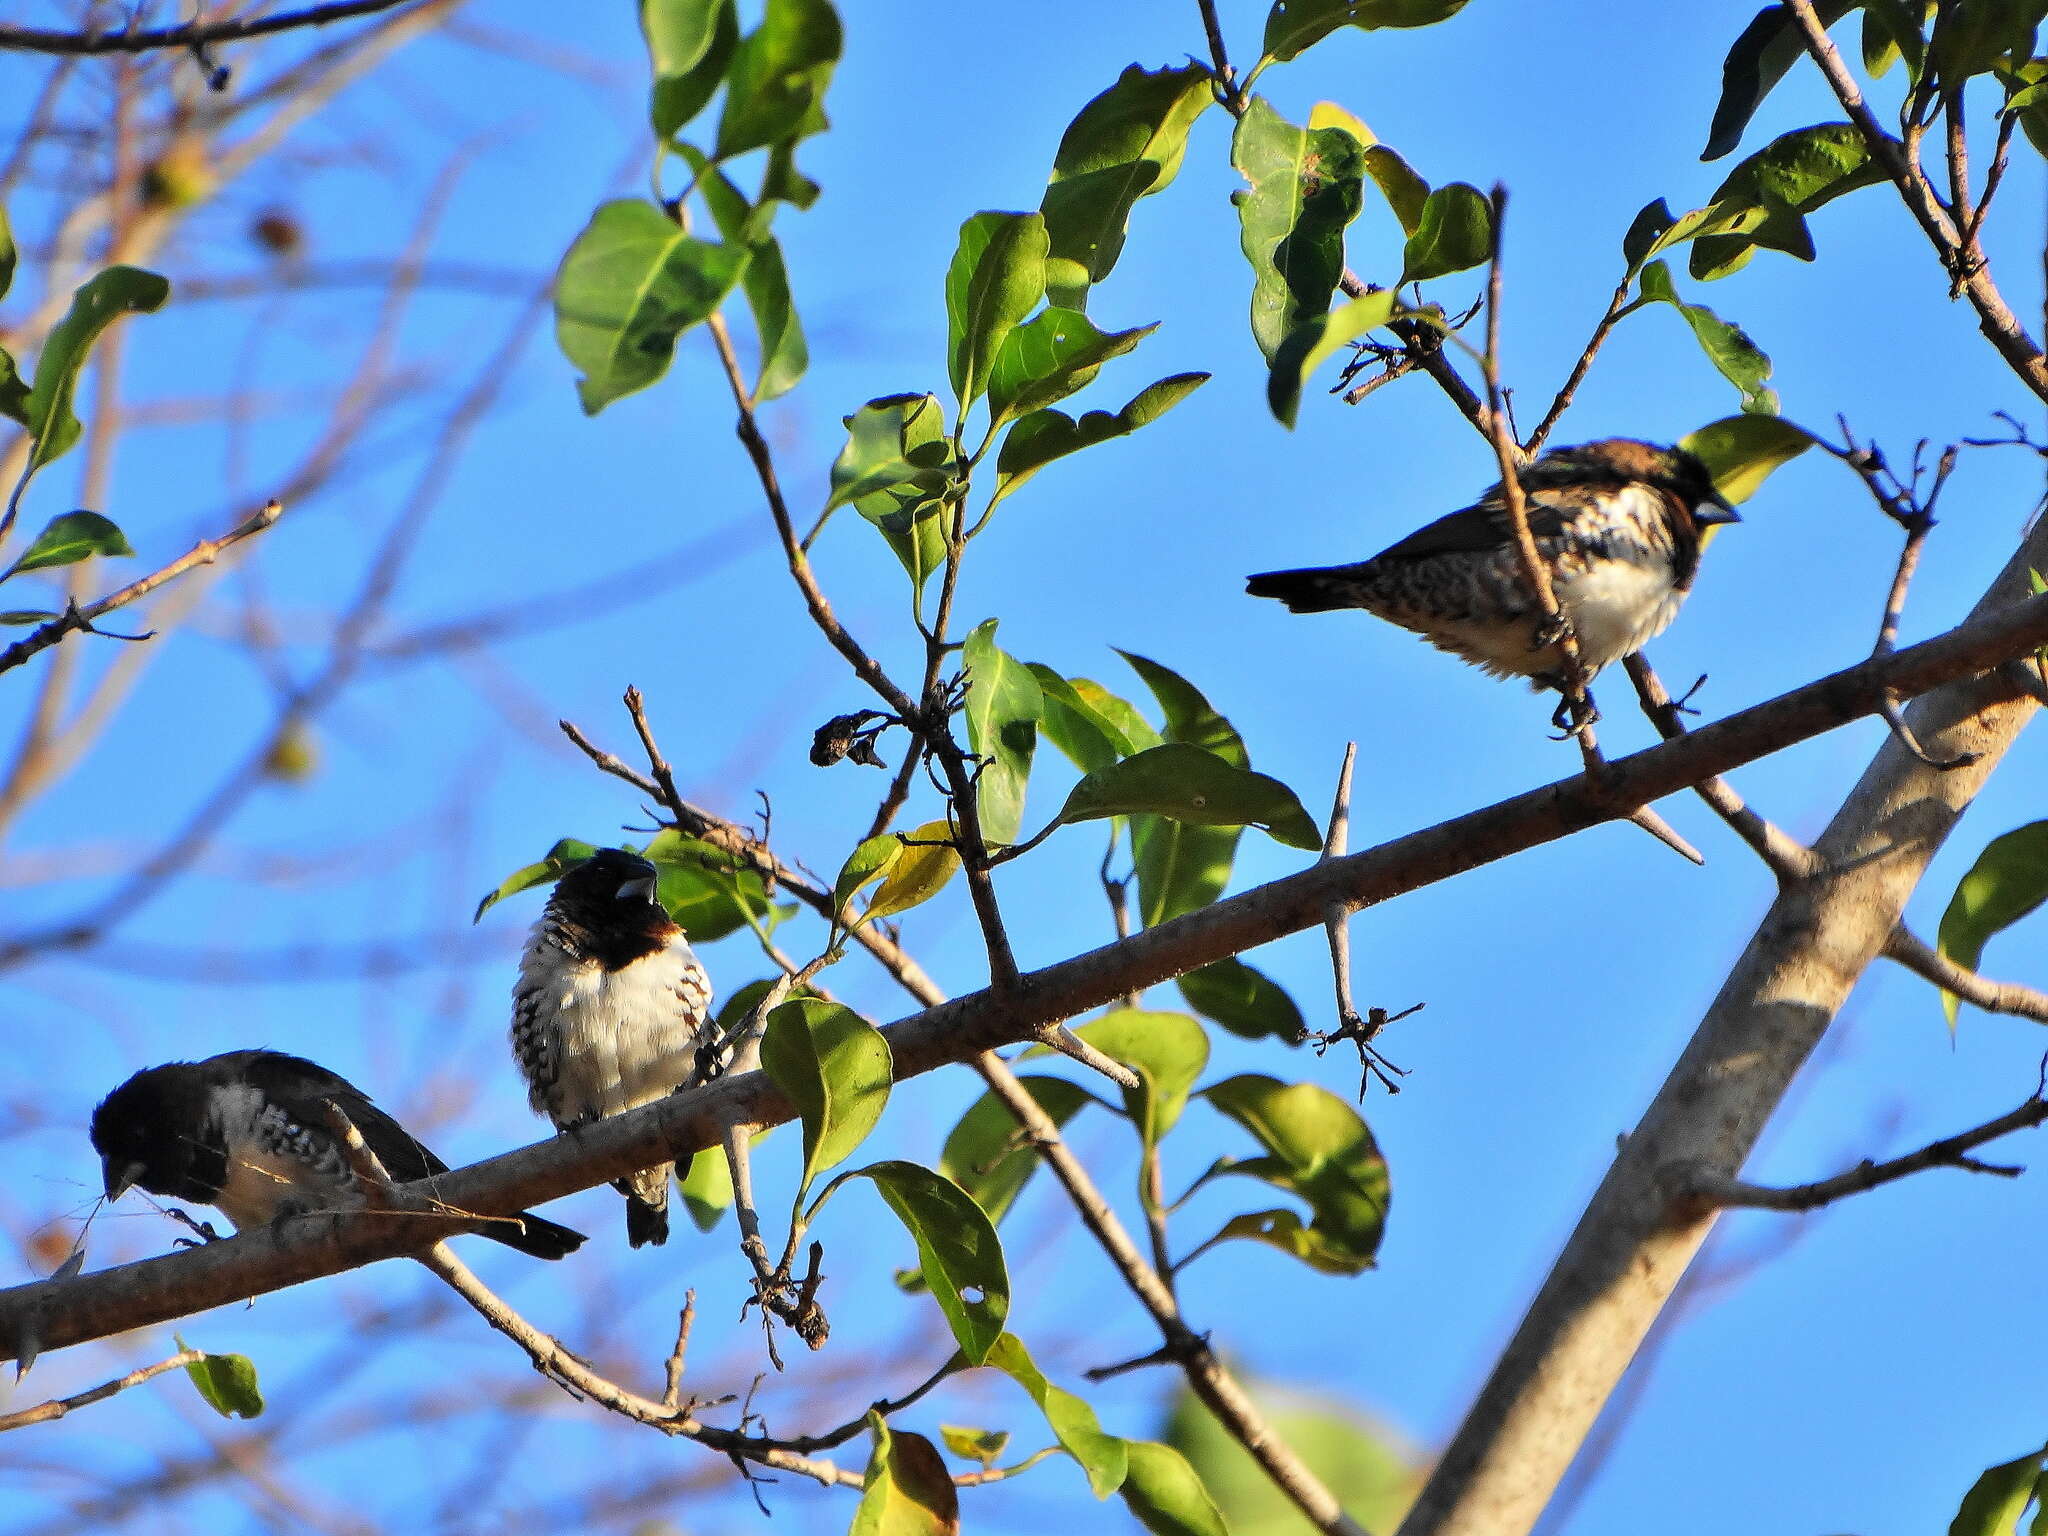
<point x="624" y="1038"/>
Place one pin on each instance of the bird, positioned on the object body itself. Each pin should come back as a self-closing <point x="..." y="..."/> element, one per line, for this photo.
<point x="610" y="1011"/>
<point x="248" y="1132"/>
<point x="1620" y="523"/>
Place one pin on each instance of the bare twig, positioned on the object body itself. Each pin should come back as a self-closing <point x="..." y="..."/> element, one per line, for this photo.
<point x="56" y="1408"/>
<point x="1916" y="955"/>
<point x="192" y="35"/>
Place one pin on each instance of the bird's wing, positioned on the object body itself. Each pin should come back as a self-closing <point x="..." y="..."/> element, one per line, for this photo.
<point x="534" y="1040"/>
<point x="1483" y="526"/>
<point x="300" y="1087"/>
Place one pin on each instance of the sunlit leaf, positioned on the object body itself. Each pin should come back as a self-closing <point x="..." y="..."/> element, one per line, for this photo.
<point x="1314" y="342"/>
<point x="104" y="298"/>
<point x="1740" y="452"/>
<point x="1405" y="191"/>
<point x="894" y="468"/>
<point x="1059" y="352"/>
<point x="918" y="873"/>
<point x="1997" y="1499"/>
<point x="988" y="1157"/>
<point x="776" y="83"/>
<point x="996" y="279"/>
<point x="958" y="1252"/>
<point x="228" y="1383"/>
<point x="2008" y="881"/>
<point x="7" y="253"/>
<point x="1167" y="1051"/>
<point x="19" y="616"/>
<point x="835" y="1068"/>
<point x="707" y="1188"/>
<point x="1318" y="1148"/>
<point x="629" y="286"/>
<point x="1046" y="435"/>
<point x="68" y="539"/>
<point x="1190" y="784"/>
<point x="764" y="280"/>
<point x="706" y="890"/>
<point x="1164" y="1493"/>
<point x="1768" y="196"/>
<point x="1307" y="184"/>
<point x="867" y="863"/>
<point x="1190" y="717"/>
<point x="1003" y="706"/>
<point x="1295" y="25"/>
<point x="983" y="1445"/>
<point x="550" y="869"/>
<point x="1769" y="46"/>
<point x="1073" y="1422"/>
<point x="1090" y="737"/>
<point x="1454" y="234"/>
<point x="907" y="1490"/>
<point x="689" y="44"/>
<point x="1243" y="1000"/>
<point x="1728" y="347"/>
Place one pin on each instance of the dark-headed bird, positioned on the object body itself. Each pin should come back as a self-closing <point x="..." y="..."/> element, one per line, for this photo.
<point x="248" y="1133"/>
<point x="609" y="1012"/>
<point x="1620" y="524"/>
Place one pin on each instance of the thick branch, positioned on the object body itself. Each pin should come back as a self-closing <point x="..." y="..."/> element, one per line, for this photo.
<point x="136" y="1295"/>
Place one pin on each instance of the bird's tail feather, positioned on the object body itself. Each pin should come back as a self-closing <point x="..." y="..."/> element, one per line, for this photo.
<point x="1315" y="589"/>
<point x="536" y="1235"/>
<point x="646" y="1206"/>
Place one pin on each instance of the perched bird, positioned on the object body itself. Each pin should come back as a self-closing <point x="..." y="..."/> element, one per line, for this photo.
<point x="1620" y="524"/>
<point x="247" y="1132"/>
<point x="609" y="1012"/>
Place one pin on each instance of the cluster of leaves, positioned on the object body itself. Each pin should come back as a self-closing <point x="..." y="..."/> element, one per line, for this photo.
<point x="42" y="407"/>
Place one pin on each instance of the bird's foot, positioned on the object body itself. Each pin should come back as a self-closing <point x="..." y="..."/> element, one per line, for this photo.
<point x="203" y="1232"/>
<point x="1562" y="720"/>
<point x="1551" y="631"/>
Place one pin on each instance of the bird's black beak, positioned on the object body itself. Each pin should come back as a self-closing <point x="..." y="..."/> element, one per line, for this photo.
<point x="1713" y="510"/>
<point x="640" y="890"/>
<point x="119" y="1177"/>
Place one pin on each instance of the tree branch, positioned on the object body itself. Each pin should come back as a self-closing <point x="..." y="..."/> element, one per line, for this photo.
<point x="192" y="35"/>
<point x="1907" y="949"/>
<point x="56" y="1408"/>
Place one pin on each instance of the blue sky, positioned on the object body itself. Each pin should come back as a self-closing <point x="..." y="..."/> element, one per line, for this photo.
<point x="1855" y="1382"/>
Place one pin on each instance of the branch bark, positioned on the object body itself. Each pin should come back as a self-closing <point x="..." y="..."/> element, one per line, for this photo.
<point x="52" y="1316"/>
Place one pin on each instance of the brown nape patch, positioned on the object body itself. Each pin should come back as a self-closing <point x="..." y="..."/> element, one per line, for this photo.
<point x="1628" y="459"/>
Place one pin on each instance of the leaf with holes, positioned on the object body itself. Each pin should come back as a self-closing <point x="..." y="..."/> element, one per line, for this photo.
<point x="958" y="1252"/>
<point x="1306" y="185"/>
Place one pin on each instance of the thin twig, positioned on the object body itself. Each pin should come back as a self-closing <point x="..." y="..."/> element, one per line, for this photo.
<point x="56" y="1408"/>
<point x="192" y="35"/>
<point x="1917" y="956"/>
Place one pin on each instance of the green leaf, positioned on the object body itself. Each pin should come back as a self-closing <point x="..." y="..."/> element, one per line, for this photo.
<point x="1728" y="347"/>
<point x="1089" y="737"/>
<point x="104" y="298"/>
<point x="629" y="286"/>
<point x="958" y="1252"/>
<point x="1243" y="1000"/>
<point x="1180" y="866"/>
<point x="835" y="1068"/>
<point x="907" y="1490"/>
<point x="1996" y="1501"/>
<point x="69" y="539"/>
<point x="1767" y="48"/>
<point x="551" y="868"/>
<point x="1767" y="197"/>
<point x="17" y="616"/>
<point x="228" y="1383"/>
<point x="1163" y="1492"/>
<point x="983" y="1445"/>
<point x="1314" y="342"/>
<point x="987" y="1156"/>
<point x="1972" y="36"/>
<point x="1320" y="1150"/>
<point x="1306" y="185"/>
<point x="1405" y="191"/>
<point x="1125" y="144"/>
<point x="776" y="87"/>
<point x="1003" y="706"/>
<point x="1741" y="451"/>
<point x="13" y="393"/>
<point x="918" y="873"/>
<point x="689" y="43"/>
<point x="1044" y="436"/>
<point x="894" y="469"/>
<point x="1102" y="1456"/>
<point x="1167" y="1051"/>
<point x="997" y="278"/>
<point x="1190" y="717"/>
<point x="7" y="253"/>
<point x="2009" y="880"/>
<point x="1057" y="353"/>
<point x="1295" y="25"/>
<point x="1357" y="1460"/>
<point x="707" y="1187"/>
<point x="1455" y="233"/>
<point x="1891" y="31"/>
<point x="1190" y="784"/>
<point x="764" y="280"/>
<point x="705" y="890"/>
<point x="867" y="863"/>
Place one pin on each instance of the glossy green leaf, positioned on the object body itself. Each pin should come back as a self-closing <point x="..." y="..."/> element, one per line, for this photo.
<point x="784" y="354"/>
<point x="2008" y="881"/>
<point x="1243" y="1000"/>
<point x="706" y="890"/>
<point x="1891" y="32"/>
<point x="550" y="869"/>
<point x="7" y="253"/>
<point x="996" y="279"/>
<point x="894" y="468"/>
<point x="1454" y="234"/>
<point x="1767" y="48"/>
<point x="1314" y="342"/>
<point x="629" y="286"/>
<point x="1190" y="717"/>
<point x="1971" y="37"/>
<point x="1741" y="451"/>
<point x="104" y="298"/>
<point x="1044" y="436"/>
<point x="988" y="1157"/>
<point x="1405" y="191"/>
<point x="1003" y="706"/>
<point x="868" y="862"/>
<point x="13" y="392"/>
<point x="1767" y="197"/>
<point x="707" y="1187"/>
<point x="1318" y="1149"/>
<point x="1167" y="1051"/>
<point x="776" y="84"/>
<point x="918" y="873"/>
<point x="1059" y="352"/>
<point x="1295" y="25"/>
<point x="1997" y="1499"/>
<point x="1307" y="184"/>
<point x="1371" y="1474"/>
<point x="228" y="1383"/>
<point x="1181" y="866"/>
<point x="689" y="44"/>
<point x="1165" y="1495"/>
<point x="835" y="1068"/>
<point x="1125" y="144"/>
<point x="1073" y="1422"/>
<point x="1728" y="347"/>
<point x="907" y="1490"/>
<point x="1089" y="737"/>
<point x="983" y="1445"/>
<point x="68" y="539"/>
<point x="958" y="1252"/>
<point x="1190" y="784"/>
<point x="1118" y="714"/>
